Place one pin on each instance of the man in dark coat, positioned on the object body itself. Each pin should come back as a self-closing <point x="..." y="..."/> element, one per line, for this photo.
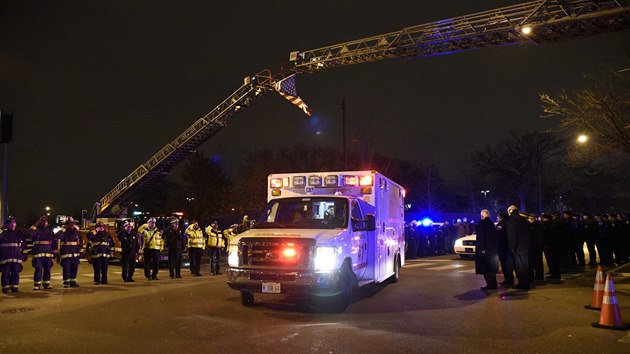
<point x="507" y="263"/>
<point x="486" y="251"/>
<point x="518" y="246"/>
<point x="175" y="243"/>
<point x="552" y="247"/>
<point x="130" y="247"/>
<point x="536" y="247"/>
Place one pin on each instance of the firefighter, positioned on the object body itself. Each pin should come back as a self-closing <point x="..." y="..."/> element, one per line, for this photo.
<point x="196" y="244"/>
<point x="130" y="247"/>
<point x="101" y="244"/>
<point x="229" y="234"/>
<point x="152" y="245"/>
<point x="44" y="250"/>
<point x="12" y="254"/>
<point x="175" y="243"/>
<point x="70" y="243"/>
<point x="215" y="244"/>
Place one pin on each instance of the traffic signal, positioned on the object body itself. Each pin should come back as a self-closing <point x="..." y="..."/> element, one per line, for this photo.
<point x="6" y="127"/>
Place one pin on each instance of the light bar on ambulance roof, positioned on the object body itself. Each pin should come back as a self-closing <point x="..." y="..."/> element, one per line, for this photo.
<point x="299" y="181"/>
<point x="331" y="181"/>
<point x="366" y="180"/>
<point x="275" y="183"/>
<point x="315" y="181"/>
<point x="350" y="181"/>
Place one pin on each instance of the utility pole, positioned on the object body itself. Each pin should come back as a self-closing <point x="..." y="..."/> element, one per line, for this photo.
<point x="343" y="131"/>
<point x="6" y="135"/>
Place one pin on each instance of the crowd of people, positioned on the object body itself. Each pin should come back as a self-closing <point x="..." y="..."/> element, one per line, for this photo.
<point x="67" y="246"/>
<point x="518" y="242"/>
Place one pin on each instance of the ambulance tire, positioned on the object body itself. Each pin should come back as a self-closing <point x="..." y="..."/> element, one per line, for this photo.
<point x="247" y="298"/>
<point x="347" y="284"/>
<point x="396" y="276"/>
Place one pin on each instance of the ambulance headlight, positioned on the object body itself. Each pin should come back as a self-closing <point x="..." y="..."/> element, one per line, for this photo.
<point x="325" y="258"/>
<point x="459" y="242"/>
<point x="233" y="255"/>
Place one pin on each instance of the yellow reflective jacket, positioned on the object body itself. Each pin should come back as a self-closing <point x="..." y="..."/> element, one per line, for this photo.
<point x="228" y="235"/>
<point x="195" y="237"/>
<point x="151" y="239"/>
<point x="215" y="239"/>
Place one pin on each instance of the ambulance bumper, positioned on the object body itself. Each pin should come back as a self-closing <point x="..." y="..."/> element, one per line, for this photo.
<point x="284" y="282"/>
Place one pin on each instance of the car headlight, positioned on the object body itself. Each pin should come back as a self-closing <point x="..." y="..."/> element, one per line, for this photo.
<point x="459" y="242"/>
<point x="233" y="255"/>
<point x="325" y="258"/>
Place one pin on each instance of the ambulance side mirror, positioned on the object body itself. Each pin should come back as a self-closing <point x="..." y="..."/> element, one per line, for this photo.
<point x="370" y="222"/>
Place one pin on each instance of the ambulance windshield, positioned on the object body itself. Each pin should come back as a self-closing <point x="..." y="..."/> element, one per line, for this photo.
<point x="305" y="213"/>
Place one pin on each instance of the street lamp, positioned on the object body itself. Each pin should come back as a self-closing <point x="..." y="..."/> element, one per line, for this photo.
<point x="485" y="192"/>
<point x="582" y="138"/>
<point x="47" y="208"/>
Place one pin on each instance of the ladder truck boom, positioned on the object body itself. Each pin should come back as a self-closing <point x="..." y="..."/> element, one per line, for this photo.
<point x="534" y="22"/>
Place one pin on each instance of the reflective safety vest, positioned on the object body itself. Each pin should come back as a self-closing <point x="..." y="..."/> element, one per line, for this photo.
<point x="70" y="243"/>
<point x="215" y="239"/>
<point x="195" y="237"/>
<point x="101" y="244"/>
<point x="228" y="235"/>
<point x="152" y="239"/>
<point x="11" y="247"/>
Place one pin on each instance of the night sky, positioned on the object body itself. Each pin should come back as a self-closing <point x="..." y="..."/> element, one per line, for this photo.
<point x="97" y="87"/>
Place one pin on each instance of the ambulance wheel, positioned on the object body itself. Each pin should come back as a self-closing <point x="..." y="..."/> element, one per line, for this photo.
<point x="396" y="276"/>
<point x="247" y="298"/>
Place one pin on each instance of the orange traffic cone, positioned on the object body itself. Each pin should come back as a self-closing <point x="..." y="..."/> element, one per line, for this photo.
<point x="598" y="291"/>
<point x="610" y="317"/>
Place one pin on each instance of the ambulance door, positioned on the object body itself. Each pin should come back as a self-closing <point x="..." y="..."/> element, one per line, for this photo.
<point x="362" y="264"/>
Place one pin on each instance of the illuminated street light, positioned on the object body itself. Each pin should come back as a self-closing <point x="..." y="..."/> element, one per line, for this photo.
<point x="47" y="208"/>
<point x="485" y="192"/>
<point x="527" y="30"/>
<point x="582" y="138"/>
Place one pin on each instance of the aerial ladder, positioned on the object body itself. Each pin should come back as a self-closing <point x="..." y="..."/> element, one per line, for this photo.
<point x="534" y="22"/>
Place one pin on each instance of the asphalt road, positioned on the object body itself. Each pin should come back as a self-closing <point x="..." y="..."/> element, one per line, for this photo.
<point x="437" y="307"/>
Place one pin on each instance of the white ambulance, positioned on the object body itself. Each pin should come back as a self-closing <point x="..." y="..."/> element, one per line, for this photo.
<point x="322" y="234"/>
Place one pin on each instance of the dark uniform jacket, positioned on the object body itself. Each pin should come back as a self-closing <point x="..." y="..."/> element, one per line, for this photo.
<point x="12" y="247"/>
<point x="70" y="243"/>
<point x="129" y="242"/>
<point x="487" y="256"/>
<point x="101" y="244"/>
<point x="44" y="242"/>
<point x="518" y="234"/>
<point x="174" y="239"/>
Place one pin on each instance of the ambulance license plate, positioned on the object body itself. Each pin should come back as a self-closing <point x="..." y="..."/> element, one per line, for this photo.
<point x="272" y="288"/>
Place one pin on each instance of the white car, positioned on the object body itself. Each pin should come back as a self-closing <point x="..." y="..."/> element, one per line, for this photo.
<point x="465" y="246"/>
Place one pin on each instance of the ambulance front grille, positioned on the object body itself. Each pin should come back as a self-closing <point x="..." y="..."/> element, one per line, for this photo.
<point x="268" y="252"/>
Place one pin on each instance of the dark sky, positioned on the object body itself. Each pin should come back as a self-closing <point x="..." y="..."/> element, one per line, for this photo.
<point x="97" y="87"/>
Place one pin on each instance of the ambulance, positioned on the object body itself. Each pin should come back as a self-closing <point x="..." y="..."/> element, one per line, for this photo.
<point x="322" y="235"/>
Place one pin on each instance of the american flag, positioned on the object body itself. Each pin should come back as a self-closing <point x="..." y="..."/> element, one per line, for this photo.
<point x="286" y="89"/>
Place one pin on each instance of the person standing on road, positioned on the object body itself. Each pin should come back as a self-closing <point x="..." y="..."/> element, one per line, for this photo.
<point x="551" y="247"/>
<point x="518" y="246"/>
<point x="70" y="243"/>
<point x="130" y="247"/>
<point x="175" y="243"/>
<point x="101" y="244"/>
<point x="215" y="244"/>
<point x="12" y="248"/>
<point x="44" y="250"/>
<point x="506" y="261"/>
<point x="229" y="234"/>
<point x="486" y="251"/>
<point x="196" y="244"/>
<point x="536" y="247"/>
<point x="152" y="245"/>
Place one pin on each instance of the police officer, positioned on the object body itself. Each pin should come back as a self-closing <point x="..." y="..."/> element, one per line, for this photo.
<point x="589" y="235"/>
<point x="70" y="243"/>
<point x="152" y="245"/>
<point x="44" y="250"/>
<point x="551" y="246"/>
<point x="101" y="244"/>
<point x="536" y="247"/>
<point x="215" y="244"/>
<point x="518" y="246"/>
<point x="196" y="244"/>
<point x="130" y="247"/>
<point x="12" y="253"/>
<point x="175" y="243"/>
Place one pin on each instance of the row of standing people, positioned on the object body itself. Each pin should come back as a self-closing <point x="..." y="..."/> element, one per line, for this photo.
<point x="66" y="247"/>
<point x="519" y="241"/>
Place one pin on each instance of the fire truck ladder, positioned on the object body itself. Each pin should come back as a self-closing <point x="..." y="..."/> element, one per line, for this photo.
<point x="160" y="164"/>
<point x="534" y="22"/>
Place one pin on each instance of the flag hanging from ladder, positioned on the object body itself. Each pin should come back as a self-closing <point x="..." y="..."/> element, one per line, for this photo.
<point x="286" y="89"/>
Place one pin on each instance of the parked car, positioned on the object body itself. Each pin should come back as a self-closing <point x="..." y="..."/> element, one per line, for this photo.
<point x="465" y="246"/>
